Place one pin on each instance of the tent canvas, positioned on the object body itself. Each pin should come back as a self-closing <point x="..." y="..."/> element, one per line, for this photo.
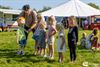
<point x="72" y="7"/>
<point x="10" y="11"/>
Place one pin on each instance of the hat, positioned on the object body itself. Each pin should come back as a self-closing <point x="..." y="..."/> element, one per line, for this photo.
<point x="26" y="7"/>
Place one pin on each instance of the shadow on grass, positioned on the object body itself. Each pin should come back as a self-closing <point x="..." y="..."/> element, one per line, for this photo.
<point x="11" y="54"/>
<point x="35" y="59"/>
<point x="7" y="53"/>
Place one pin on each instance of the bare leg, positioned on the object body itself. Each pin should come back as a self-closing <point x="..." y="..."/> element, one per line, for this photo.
<point x="36" y="49"/>
<point x="51" y="52"/>
<point x="40" y="51"/>
<point x="19" y="50"/>
<point x="22" y="50"/>
<point x="61" y="56"/>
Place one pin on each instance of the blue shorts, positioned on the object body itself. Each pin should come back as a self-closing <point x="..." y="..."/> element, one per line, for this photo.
<point x="22" y="42"/>
<point x="35" y="37"/>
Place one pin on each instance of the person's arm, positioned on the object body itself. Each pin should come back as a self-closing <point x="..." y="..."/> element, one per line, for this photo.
<point x="76" y="33"/>
<point x="46" y="36"/>
<point x="17" y="36"/>
<point x="53" y="32"/>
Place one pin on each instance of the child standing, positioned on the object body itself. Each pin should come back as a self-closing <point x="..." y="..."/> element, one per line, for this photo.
<point x="61" y="45"/>
<point x="21" y="38"/>
<point x="51" y="32"/>
<point x="42" y="39"/>
<point x="83" y="40"/>
<point x="37" y="32"/>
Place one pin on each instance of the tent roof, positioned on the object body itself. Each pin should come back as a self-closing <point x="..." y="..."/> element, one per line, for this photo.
<point x="10" y="11"/>
<point x="72" y="7"/>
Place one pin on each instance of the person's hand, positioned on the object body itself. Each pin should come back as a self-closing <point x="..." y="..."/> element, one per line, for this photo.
<point x="45" y="40"/>
<point x="74" y="41"/>
<point x="28" y="30"/>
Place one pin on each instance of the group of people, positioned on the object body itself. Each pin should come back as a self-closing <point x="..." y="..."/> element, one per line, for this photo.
<point x="90" y="42"/>
<point x="44" y="34"/>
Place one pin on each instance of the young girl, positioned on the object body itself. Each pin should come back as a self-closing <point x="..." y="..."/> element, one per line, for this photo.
<point x="95" y="39"/>
<point x="72" y="37"/>
<point x="42" y="40"/>
<point x="51" y="32"/>
<point x="21" y="38"/>
<point x="61" y="45"/>
<point x="37" y="32"/>
<point x="83" y="40"/>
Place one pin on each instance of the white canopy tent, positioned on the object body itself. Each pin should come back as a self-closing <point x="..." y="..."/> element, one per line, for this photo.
<point x="72" y="7"/>
<point x="10" y="11"/>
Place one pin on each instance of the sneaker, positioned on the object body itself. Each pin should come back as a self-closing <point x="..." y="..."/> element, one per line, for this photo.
<point x="45" y="56"/>
<point x="22" y="53"/>
<point x="48" y="57"/>
<point x="60" y="61"/>
<point x="18" y="53"/>
<point x="34" y="53"/>
<point x="52" y="58"/>
<point x="71" y="61"/>
<point x="74" y="61"/>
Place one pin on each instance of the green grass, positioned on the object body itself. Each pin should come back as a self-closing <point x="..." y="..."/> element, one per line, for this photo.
<point x="8" y="57"/>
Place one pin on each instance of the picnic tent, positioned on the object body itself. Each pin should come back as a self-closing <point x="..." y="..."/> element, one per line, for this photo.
<point x="72" y="7"/>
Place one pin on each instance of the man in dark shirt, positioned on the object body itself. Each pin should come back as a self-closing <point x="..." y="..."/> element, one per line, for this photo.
<point x="30" y="19"/>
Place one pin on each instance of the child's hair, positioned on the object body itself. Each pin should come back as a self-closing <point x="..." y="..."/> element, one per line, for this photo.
<point x="42" y="26"/>
<point x="20" y="20"/>
<point x="59" y="26"/>
<point x="73" y="18"/>
<point x="52" y="20"/>
<point x="95" y="31"/>
<point x="40" y="18"/>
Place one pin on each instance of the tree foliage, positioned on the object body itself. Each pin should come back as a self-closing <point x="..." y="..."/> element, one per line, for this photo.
<point x="45" y="8"/>
<point x="4" y="7"/>
<point x="94" y="5"/>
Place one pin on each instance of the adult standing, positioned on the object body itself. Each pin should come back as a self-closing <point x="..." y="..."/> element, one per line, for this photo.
<point x="30" y="19"/>
<point x="72" y="37"/>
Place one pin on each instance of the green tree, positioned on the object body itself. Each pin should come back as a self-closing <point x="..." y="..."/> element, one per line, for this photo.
<point x="94" y="5"/>
<point x="35" y="9"/>
<point x="45" y="8"/>
<point x="5" y="7"/>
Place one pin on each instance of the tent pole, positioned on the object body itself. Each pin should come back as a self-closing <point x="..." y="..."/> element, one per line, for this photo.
<point x="79" y="23"/>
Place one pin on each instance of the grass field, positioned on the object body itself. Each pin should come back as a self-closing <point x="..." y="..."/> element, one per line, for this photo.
<point x="8" y="57"/>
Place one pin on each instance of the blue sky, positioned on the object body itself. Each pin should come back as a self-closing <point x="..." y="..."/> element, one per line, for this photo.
<point x="39" y="4"/>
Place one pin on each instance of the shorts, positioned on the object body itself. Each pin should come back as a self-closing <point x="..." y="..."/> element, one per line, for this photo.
<point x="51" y="41"/>
<point x="35" y="37"/>
<point x="22" y="42"/>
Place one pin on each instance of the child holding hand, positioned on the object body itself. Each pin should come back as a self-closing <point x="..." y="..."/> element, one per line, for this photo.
<point x="21" y="38"/>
